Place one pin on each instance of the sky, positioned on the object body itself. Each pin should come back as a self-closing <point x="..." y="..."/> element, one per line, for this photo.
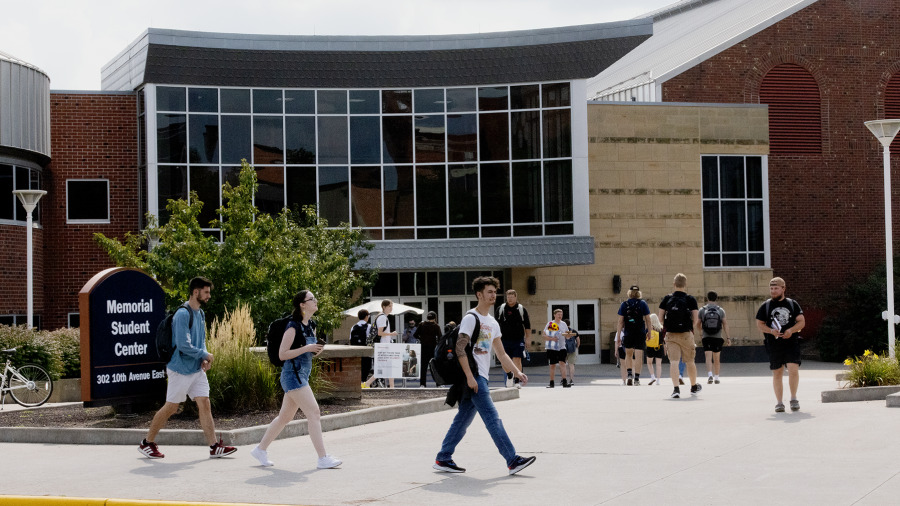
<point x="71" y="40"/>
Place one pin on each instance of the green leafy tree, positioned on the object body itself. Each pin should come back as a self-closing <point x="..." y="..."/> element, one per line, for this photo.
<point x="263" y="260"/>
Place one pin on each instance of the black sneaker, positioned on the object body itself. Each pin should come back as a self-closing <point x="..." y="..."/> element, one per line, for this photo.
<point x="551" y="385"/>
<point x="448" y="466"/>
<point x="520" y="463"/>
<point x="676" y="394"/>
<point x="696" y="389"/>
<point x="565" y="383"/>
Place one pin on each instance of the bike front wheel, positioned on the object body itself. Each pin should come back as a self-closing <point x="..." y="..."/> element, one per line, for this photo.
<point x="30" y="385"/>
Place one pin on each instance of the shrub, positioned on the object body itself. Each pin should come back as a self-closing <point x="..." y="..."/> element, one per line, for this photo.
<point x="33" y="347"/>
<point x="872" y="370"/>
<point x="69" y="345"/>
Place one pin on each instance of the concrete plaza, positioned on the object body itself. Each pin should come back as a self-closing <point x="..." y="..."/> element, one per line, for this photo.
<point x="597" y="443"/>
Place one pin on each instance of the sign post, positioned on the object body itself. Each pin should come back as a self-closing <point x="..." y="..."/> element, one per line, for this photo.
<point x="121" y="309"/>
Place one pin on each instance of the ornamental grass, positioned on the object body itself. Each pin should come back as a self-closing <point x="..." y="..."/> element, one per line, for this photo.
<point x="872" y="370"/>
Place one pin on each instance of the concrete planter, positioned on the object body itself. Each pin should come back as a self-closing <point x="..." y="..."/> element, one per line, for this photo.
<point x="860" y="394"/>
<point x="66" y="390"/>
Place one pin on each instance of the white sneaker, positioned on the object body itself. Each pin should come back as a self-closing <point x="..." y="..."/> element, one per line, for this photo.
<point x="509" y="381"/>
<point x="519" y="386"/>
<point x="328" y="462"/>
<point x="262" y="456"/>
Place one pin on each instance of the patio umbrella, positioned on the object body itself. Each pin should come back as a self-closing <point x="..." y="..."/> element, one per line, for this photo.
<point x="374" y="306"/>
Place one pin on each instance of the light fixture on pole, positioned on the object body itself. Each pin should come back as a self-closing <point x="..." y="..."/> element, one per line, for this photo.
<point x="885" y="130"/>
<point x="29" y="200"/>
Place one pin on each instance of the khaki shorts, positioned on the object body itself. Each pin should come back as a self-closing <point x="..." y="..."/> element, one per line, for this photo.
<point x="182" y="386"/>
<point x="680" y="346"/>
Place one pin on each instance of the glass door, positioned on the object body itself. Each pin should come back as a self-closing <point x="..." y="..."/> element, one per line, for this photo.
<point x="402" y="321"/>
<point x="452" y="309"/>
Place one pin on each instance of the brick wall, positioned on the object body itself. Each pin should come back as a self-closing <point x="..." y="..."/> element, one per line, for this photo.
<point x="13" y="270"/>
<point x="827" y="210"/>
<point x="93" y="136"/>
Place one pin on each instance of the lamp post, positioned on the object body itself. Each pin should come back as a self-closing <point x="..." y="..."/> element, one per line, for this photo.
<point x="29" y="200"/>
<point x="885" y="130"/>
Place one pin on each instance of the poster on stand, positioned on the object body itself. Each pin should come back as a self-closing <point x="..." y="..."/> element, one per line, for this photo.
<point x="397" y="360"/>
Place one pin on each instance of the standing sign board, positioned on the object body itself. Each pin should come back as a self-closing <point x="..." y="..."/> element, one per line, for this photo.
<point x="398" y="360"/>
<point x="121" y="309"/>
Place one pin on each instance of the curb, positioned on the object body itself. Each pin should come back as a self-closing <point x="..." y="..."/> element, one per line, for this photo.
<point x="892" y="400"/>
<point x="860" y="394"/>
<point x="22" y="500"/>
<point x="236" y="437"/>
<point x="841" y="376"/>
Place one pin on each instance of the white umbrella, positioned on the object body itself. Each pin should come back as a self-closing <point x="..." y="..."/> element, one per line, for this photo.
<point x="375" y="307"/>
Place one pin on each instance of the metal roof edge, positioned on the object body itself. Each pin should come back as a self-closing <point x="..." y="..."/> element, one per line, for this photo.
<point x="91" y="92"/>
<point x="679" y="104"/>
<point x="18" y="61"/>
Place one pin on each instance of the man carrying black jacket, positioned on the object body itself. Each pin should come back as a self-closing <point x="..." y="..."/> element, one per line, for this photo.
<point x="428" y="333"/>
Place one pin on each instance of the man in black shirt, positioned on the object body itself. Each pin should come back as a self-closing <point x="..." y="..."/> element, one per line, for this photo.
<point x="781" y="319"/>
<point x="678" y="311"/>
<point x="515" y="326"/>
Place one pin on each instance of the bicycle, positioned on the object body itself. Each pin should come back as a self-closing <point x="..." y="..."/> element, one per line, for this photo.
<point x="29" y="385"/>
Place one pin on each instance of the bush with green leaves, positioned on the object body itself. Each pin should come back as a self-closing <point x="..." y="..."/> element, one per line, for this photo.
<point x="872" y="370"/>
<point x="854" y="322"/>
<point x="68" y="342"/>
<point x="37" y="347"/>
<point x="263" y="261"/>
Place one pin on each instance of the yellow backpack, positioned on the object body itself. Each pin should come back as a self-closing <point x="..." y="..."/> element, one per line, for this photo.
<point x="654" y="339"/>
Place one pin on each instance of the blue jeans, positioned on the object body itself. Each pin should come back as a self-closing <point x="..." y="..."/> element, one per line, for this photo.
<point x="468" y="406"/>
<point x="681" y="366"/>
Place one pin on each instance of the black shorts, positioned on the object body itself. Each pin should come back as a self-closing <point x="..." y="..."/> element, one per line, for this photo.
<point x="515" y="349"/>
<point x="656" y="352"/>
<point x="635" y="342"/>
<point x="713" y="344"/>
<point x="782" y="351"/>
<point x="621" y="353"/>
<point x="556" y="356"/>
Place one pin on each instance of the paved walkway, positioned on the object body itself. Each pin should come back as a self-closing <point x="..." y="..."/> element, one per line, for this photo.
<point x="597" y="443"/>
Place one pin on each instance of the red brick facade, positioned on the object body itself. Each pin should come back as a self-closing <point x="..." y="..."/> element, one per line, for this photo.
<point x="13" y="270"/>
<point x="826" y="210"/>
<point x="94" y="136"/>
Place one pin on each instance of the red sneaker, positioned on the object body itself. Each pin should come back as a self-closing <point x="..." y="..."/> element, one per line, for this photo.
<point x="219" y="450"/>
<point x="150" y="450"/>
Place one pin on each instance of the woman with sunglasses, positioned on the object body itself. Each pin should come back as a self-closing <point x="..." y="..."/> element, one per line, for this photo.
<point x="298" y="346"/>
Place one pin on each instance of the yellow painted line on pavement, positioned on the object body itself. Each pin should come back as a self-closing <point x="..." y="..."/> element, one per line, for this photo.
<point x="22" y="500"/>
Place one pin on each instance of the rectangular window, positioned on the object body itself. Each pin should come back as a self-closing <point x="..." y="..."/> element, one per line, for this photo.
<point x="429" y="101"/>
<point x="169" y="98"/>
<point x="171" y="138"/>
<point x="365" y="192"/>
<point x="299" y="102"/>
<point x="203" y="100"/>
<point x="364" y="102"/>
<point x="236" y="142"/>
<point x="268" y="140"/>
<point x="301" y="188"/>
<point x="87" y="201"/>
<point x="172" y="185"/>
<point x="398" y="197"/>
<point x="526" y="187"/>
<point x="557" y="133"/>
<point x="398" y="139"/>
<point x="462" y="188"/>
<point x="462" y="137"/>
<point x="300" y="134"/>
<point x="526" y="135"/>
<point x="7" y="199"/>
<point x="733" y="211"/>
<point x="558" y="191"/>
<point x="365" y="139"/>
<point x="74" y="320"/>
<point x="267" y="102"/>
<point x="204" y="138"/>
<point x="431" y="202"/>
<point x="334" y="195"/>
<point x="493" y="136"/>
<point x="332" y="139"/>
<point x="396" y="101"/>
<point x="270" y="194"/>
<point x="235" y="100"/>
<point x="430" y="145"/>
<point x="494" y="193"/>
<point x="205" y="181"/>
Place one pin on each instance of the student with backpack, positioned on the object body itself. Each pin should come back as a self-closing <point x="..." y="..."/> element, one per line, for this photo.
<point x="555" y="332"/>
<point x="573" y="341"/>
<point x="358" y="337"/>
<point x="712" y="324"/>
<point x="633" y="325"/>
<point x="186" y="371"/>
<point x="477" y="397"/>
<point x="679" y="314"/>
<point x="297" y="348"/>
<point x="516" y="326"/>
<point x="385" y="336"/>
<point x="781" y="319"/>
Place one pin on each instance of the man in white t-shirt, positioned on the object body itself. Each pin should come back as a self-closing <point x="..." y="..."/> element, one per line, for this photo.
<point x="477" y="398"/>
<point x="383" y="325"/>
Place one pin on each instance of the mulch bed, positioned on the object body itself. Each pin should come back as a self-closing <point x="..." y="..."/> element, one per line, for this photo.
<point x="105" y="417"/>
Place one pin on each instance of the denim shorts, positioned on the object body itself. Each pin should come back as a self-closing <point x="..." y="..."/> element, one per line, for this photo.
<point x="295" y="374"/>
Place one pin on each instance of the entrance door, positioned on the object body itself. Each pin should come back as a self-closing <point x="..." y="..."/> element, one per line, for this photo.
<point x="452" y="309"/>
<point x="402" y="321"/>
<point x="582" y="314"/>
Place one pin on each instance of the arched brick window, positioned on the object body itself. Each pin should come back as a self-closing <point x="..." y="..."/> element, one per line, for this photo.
<point x="892" y="102"/>
<point x="795" y="110"/>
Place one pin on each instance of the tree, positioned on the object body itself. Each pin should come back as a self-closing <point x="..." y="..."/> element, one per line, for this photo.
<point x="263" y="260"/>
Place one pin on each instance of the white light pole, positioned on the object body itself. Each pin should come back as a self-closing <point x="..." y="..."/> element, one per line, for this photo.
<point x="29" y="200"/>
<point x="885" y="130"/>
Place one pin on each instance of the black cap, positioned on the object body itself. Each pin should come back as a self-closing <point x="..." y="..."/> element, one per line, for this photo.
<point x="634" y="287"/>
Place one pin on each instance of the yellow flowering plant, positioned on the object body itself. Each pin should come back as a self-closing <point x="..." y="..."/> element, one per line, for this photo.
<point x="872" y="370"/>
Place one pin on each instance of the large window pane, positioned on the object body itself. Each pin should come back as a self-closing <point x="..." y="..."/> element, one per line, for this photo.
<point x="236" y="141"/>
<point x="299" y="102"/>
<point x="332" y="139"/>
<point x="267" y="102"/>
<point x="526" y="185"/>
<point x="453" y="283"/>
<point x="557" y="133"/>
<point x="525" y="97"/>
<point x="365" y="191"/>
<point x="386" y="285"/>
<point x="731" y="170"/>
<point x="334" y="195"/>
<point x="203" y="100"/>
<point x="235" y="100"/>
<point x="172" y="185"/>
<point x="398" y="139"/>
<point x="710" y="177"/>
<point x="429" y="101"/>
<point x="712" y="260"/>
<point x="268" y="140"/>
<point x="431" y="233"/>
<point x="738" y="260"/>
<point x="754" y="177"/>
<point x="462" y="138"/>
<point x="396" y="101"/>
<point x="494" y="192"/>
<point x="558" y="191"/>
<point x="364" y="102"/>
<point x="463" y="195"/>
<point x="22" y="183"/>
<point x="461" y="99"/>
<point x="169" y="98"/>
<point x="756" y="239"/>
<point x="493" y="136"/>
<point x="87" y="200"/>
<point x="429" y="136"/>
<point x="300" y="134"/>
<point x="270" y="195"/>
<point x="734" y="226"/>
<point x="556" y="95"/>
<point x="493" y="99"/>
<point x="431" y="202"/>
<point x="331" y="101"/>
<point x="171" y="138"/>
<point x="398" y="196"/>
<point x="526" y="134"/>
<point x="711" y="226"/>
<point x="204" y="138"/>
<point x="365" y="139"/>
<point x="205" y="181"/>
<point x="7" y="199"/>
<point x="301" y="188"/>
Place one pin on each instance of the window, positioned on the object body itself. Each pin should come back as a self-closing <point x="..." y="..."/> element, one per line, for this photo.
<point x="734" y="211"/>
<point x="20" y="319"/>
<point x="74" y="320"/>
<point x="87" y="201"/>
<point x="795" y="110"/>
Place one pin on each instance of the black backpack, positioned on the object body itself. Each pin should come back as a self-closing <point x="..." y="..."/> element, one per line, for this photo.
<point x="678" y="316"/>
<point x="372" y="336"/>
<point x="634" y="319"/>
<point x="712" y="321"/>
<point x="276" y="333"/>
<point x="444" y="367"/>
<point x="358" y="335"/>
<point x="164" y="347"/>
